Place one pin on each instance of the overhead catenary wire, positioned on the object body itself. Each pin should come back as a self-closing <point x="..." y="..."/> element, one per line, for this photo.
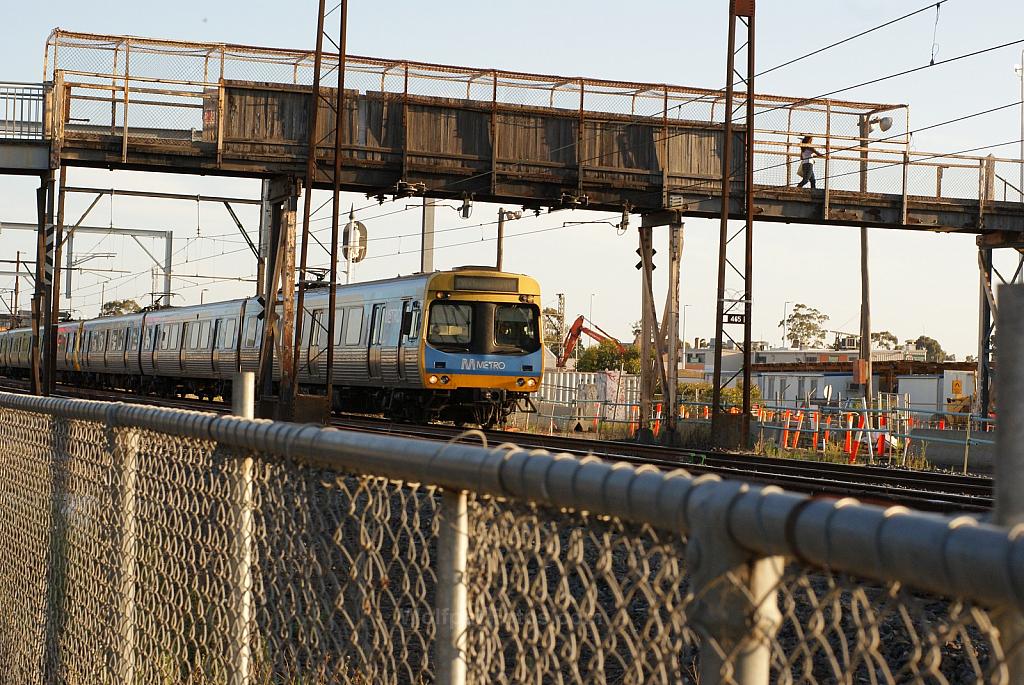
<point x="820" y="50"/>
<point x="720" y="91"/>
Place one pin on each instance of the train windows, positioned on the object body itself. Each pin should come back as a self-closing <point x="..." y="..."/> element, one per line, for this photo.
<point x="377" y="323"/>
<point x="172" y="336"/>
<point x="450" y="325"/>
<point x="339" y="328"/>
<point x="204" y="335"/>
<point x="353" y="325"/>
<point x="250" y="332"/>
<point x="414" y="322"/>
<point x="515" y="327"/>
<point x="228" y="334"/>
<point x="134" y="339"/>
<point x="316" y="325"/>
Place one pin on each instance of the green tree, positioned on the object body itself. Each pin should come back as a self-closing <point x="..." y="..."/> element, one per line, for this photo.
<point x="804" y="327"/>
<point x="932" y="346"/>
<point x="885" y="340"/>
<point x="606" y="357"/>
<point x="119" y="307"/>
<point x="702" y="392"/>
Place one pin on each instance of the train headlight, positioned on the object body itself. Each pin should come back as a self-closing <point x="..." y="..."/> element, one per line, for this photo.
<point x="531" y="382"/>
<point x="432" y="380"/>
<point x="520" y="382"/>
<point x="444" y="380"/>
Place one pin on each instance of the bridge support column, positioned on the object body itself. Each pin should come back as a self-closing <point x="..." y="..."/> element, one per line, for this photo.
<point x="266" y="219"/>
<point x="41" y="299"/>
<point x="656" y="342"/>
<point x="670" y="337"/>
<point x="985" y="330"/>
<point x="279" y="327"/>
<point x="55" y="247"/>
<point x="647" y="330"/>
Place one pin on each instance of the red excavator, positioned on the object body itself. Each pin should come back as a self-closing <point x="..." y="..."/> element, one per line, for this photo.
<point x="575" y="331"/>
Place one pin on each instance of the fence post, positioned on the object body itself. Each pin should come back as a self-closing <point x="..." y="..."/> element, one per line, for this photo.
<point x="451" y="610"/>
<point x="243" y="401"/>
<point x="124" y="446"/>
<point x="1008" y="480"/>
<point x="736" y="610"/>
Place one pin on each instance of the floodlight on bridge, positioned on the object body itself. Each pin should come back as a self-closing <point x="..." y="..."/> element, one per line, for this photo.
<point x="883" y="123"/>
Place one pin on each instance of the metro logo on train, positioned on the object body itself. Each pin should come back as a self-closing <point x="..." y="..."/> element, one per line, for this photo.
<point x="482" y="365"/>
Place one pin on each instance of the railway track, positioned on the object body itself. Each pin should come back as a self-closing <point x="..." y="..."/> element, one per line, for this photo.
<point x="925" y="490"/>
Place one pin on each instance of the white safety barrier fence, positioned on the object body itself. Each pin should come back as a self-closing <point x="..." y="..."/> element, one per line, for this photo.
<point x="147" y="545"/>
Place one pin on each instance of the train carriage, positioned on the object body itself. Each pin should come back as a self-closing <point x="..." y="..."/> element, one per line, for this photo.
<point x="461" y="345"/>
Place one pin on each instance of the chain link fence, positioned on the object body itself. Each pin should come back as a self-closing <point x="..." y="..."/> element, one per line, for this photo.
<point x="145" y="545"/>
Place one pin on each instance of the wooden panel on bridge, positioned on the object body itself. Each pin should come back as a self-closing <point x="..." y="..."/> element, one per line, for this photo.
<point x="539" y="141"/>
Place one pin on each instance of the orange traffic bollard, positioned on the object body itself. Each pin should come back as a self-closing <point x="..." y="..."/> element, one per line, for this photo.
<point x="799" y="427"/>
<point x="815" y="425"/>
<point x="785" y="429"/>
<point x="849" y="436"/>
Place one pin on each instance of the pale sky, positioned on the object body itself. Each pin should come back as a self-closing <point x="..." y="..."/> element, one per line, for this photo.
<point x="921" y="283"/>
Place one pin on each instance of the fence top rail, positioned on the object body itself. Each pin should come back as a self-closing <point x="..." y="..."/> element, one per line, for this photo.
<point x="24" y="85"/>
<point x="958" y="556"/>
<point x="60" y="38"/>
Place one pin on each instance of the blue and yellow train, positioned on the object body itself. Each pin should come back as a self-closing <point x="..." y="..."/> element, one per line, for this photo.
<point x="461" y="345"/>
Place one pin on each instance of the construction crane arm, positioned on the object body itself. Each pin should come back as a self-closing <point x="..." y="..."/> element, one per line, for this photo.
<point x="572" y="339"/>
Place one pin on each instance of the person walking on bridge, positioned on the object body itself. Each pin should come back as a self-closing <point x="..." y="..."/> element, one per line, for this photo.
<point x="806" y="170"/>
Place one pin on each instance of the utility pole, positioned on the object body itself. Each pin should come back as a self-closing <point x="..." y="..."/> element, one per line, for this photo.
<point x="17" y="280"/>
<point x="865" y="282"/>
<point x="427" y="240"/>
<point x="502" y="216"/>
<point x="1020" y="73"/>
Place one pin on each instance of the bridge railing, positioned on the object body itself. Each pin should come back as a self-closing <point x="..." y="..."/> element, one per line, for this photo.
<point x="22" y="111"/>
<point x="172" y="93"/>
<point x="140" y="544"/>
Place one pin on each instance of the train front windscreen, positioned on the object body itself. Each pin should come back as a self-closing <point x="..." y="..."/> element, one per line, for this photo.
<point x="484" y="327"/>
